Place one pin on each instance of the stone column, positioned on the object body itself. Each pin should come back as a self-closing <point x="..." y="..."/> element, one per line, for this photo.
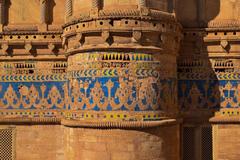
<point x="69" y="9"/>
<point x="43" y="11"/>
<point x="2" y="14"/>
<point x="43" y="15"/>
<point x="95" y="4"/>
<point x="95" y="8"/>
<point x="142" y="3"/>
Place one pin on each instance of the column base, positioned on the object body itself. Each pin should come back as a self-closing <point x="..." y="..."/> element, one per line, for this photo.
<point x="42" y="27"/>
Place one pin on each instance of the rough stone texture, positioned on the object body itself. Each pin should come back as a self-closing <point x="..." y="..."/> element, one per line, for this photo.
<point x="56" y="142"/>
<point x="114" y="64"/>
<point x="116" y="144"/>
<point x="39" y="142"/>
<point x="226" y="139"/>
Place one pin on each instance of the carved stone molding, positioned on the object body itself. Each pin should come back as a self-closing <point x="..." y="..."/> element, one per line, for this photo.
<point x="5" y="47"/>
<point x="43" y="42"/>
<point x="224" y="44"/>
<point x="28" y="47"/>
<point x="137" y="35"/>
<point x="144" y="14"/>
<point x="51" y="46"/>
<point x="157" y="36"/>
<point x="115" y="124"/>
<point x="113" y="70"/>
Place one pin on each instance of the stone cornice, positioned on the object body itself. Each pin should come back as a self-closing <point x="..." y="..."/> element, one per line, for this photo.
<point x="140" y="35"/>
<point x="227" y="115"/>
<point x="228" y="23"/>
<point x="121" y="13"/>
<point x="32" y="121"/>
<point x="225" y="120"/>
<point x="65" y="118"/>
<point x="115" y="124"/>
<point x="41" y="43"/>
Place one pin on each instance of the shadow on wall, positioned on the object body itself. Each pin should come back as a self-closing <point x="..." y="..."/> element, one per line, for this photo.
<point x="212" y="10"/>
<point x="51" y="6"/>
<point x="199" y="92"/>
<point x="199" y="87"/>
<point x="8" y="4"/>
<point x="196" y="13"/>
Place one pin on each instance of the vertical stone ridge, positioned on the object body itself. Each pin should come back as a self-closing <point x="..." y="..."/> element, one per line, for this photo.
<point x="68" y="11"/>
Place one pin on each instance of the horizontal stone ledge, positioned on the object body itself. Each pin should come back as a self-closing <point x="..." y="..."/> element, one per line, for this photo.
<point x="129" y="13"/>
<point x="118" y="124"/>
<point x="32" y="42"/>
<point x="123" y="30"/>
<point x="31" y="121"/>
<point x="24" y="57"/>
<point x="29" y="33"/>
<point x="225" y="120"/>
<point x="20" y="28"/>
<point x="88" y="124"/>
<point x="219" y="39"/>
<point x="122" y="48"/>
<point x="31" y="28"/>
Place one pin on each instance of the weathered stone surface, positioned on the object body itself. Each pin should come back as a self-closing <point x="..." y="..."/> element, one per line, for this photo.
<point x="110" y="79"/>
<point x="39" y="142"/>
<point x="116" y="144"/>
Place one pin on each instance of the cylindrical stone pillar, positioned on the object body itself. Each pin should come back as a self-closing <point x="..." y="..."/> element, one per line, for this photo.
<point x="43" y="11"/>
<point x="95" y="4"/>
<point x="68" y="6"/>
<point x="123" y="80"/>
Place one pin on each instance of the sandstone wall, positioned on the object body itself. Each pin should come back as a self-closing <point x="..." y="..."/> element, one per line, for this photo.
<point x="226" y="142"/>
<point x="119" y="144"/>
<point x="39" y="142"/>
